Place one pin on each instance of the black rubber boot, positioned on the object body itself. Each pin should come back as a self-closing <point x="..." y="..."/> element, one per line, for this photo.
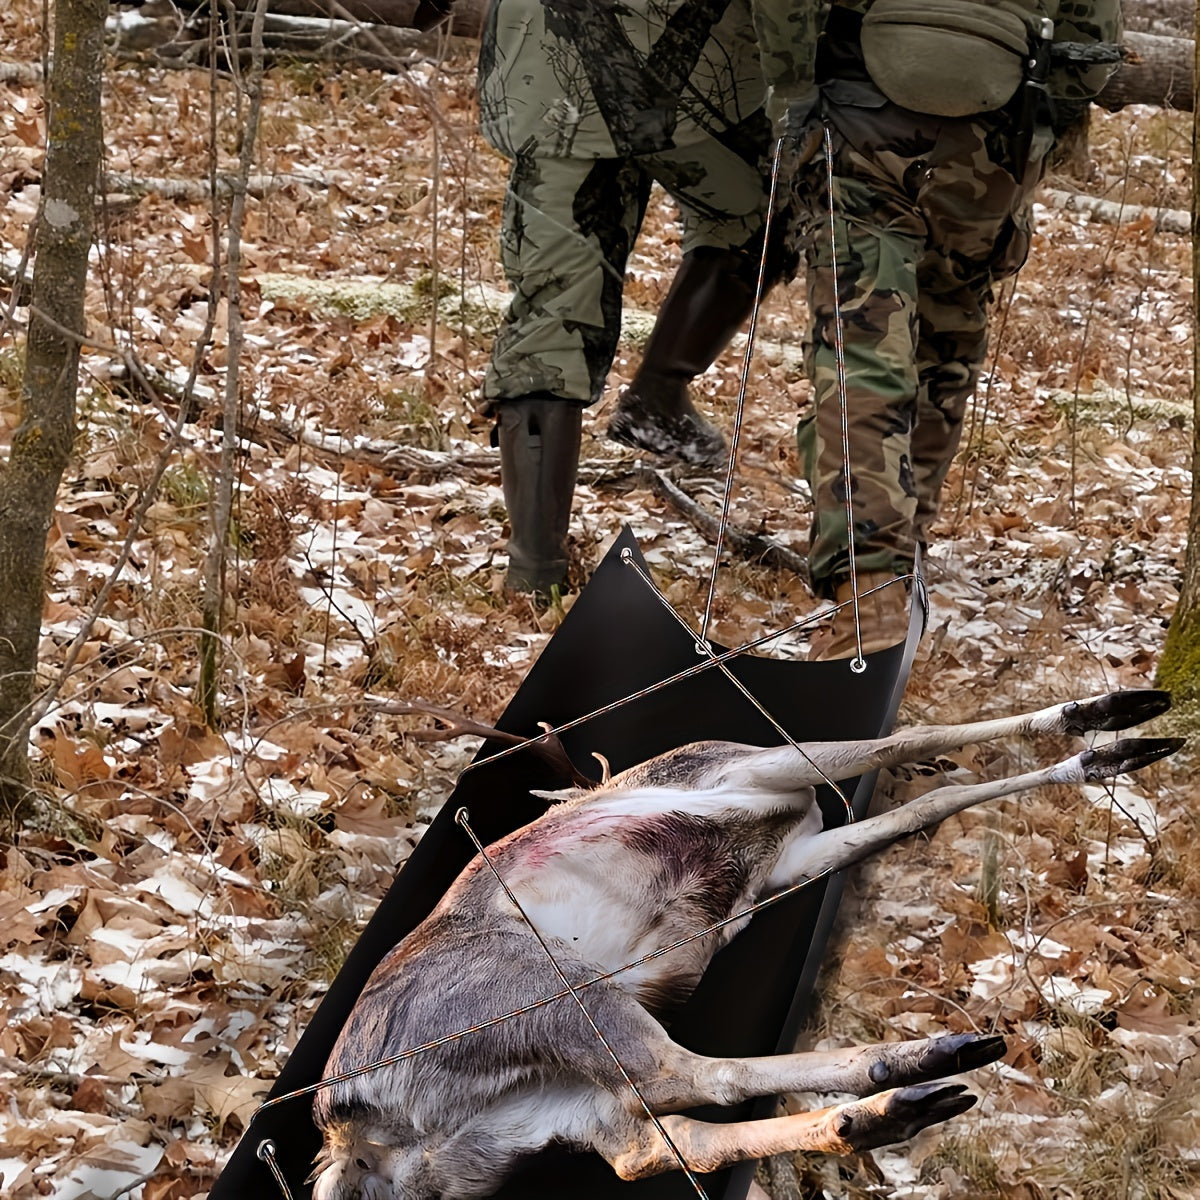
<point x="539" y="458"/>
<point x="709" y="299"/>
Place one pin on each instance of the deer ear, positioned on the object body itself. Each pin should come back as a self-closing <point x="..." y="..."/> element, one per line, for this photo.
<point x="560" y="795"/>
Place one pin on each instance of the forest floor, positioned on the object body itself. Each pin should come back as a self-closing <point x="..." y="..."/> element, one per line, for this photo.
<point x="167" y="934"/>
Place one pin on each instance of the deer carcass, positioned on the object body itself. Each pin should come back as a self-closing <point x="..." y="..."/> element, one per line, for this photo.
<point x="603" y="879"/>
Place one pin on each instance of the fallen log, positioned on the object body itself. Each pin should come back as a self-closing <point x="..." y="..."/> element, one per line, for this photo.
<point x="1110" y="212"/>
<point x="197" y="191"/>
<point x="1159" y="71"/>
<point x="24" y="74"/>
<point x="754" y="547"/>
<point x="169" y="43"/>
<point x="1171" y="17"/>
<point x="466" y="18"/>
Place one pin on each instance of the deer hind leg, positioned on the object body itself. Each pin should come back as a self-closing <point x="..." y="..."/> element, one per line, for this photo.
<point x="844" y="846"/>
<point x="848" y="1128"/>
<point x="782" y="768"/>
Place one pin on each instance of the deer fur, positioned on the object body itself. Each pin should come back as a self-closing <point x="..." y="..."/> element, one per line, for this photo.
<point x="607" y="876"/>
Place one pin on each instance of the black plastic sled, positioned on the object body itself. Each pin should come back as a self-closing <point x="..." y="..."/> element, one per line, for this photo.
<point x="617" y="640"/>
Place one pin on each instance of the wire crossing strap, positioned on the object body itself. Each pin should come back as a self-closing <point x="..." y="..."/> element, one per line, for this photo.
<point x="858" y="664"/>
<point x="267" y="1148"/>
<point x="741" y="400"/>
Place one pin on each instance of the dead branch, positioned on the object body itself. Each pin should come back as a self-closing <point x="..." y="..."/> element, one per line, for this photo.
<point x="261" y="428"/>
<point x="167" y="43"/>
<point x="466" y="19"/>
<point x="452" y="724"/>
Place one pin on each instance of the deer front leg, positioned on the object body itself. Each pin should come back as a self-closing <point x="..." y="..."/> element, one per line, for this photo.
<point x="864" y="1070"/>
<point x="843" y="1129"/>
<point x="781" y="768"/>
<point x="842" y="847"/>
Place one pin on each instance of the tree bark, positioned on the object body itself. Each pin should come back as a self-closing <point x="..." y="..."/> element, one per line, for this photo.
<point x="1179" y="667"/>
<point x="42" y="442"/>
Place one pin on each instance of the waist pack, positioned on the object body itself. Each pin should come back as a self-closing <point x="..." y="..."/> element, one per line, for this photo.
<point x="951" y="58"/>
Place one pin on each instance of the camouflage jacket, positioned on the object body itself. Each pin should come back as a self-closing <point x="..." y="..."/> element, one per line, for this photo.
<point x="605" y="78"/>
<point x="788" y="32"/>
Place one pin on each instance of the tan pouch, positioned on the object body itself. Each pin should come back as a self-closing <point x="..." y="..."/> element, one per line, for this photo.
<point x="952" y="58"/>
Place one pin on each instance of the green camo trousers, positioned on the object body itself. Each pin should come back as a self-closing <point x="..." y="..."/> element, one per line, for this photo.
<point x="569" y="225"/>
<point x="926" y="219"/>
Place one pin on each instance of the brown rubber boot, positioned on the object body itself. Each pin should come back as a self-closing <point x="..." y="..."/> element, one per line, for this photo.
<point x="709" y="299"/>
<point x="882" y="617"/>
<point x="539" y="441"/>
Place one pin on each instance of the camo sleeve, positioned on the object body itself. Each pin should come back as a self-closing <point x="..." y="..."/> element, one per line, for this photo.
<point x="787" y="41"/>
<point x="1084" y="21"/>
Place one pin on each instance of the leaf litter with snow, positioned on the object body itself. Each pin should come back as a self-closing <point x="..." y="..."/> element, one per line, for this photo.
<point x="165" y="942"/>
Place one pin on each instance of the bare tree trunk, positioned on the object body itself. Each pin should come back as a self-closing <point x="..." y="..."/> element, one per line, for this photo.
<point x="222" y="500"/>
<point x="1179" y="667"/>
<point x="42" y="443"/>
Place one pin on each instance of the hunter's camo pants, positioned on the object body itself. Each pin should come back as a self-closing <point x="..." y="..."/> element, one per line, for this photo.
<point x="569" y="225"/>
<point x="928" y="214"/>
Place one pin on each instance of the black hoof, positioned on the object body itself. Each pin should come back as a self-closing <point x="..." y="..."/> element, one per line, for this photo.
<point x="1117" y="710"/>
<point x="958" y="1052"/>
<point x="926" y="1104"/>
<point x="906" y="1113"/>
<point x="1129" y="754"/>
